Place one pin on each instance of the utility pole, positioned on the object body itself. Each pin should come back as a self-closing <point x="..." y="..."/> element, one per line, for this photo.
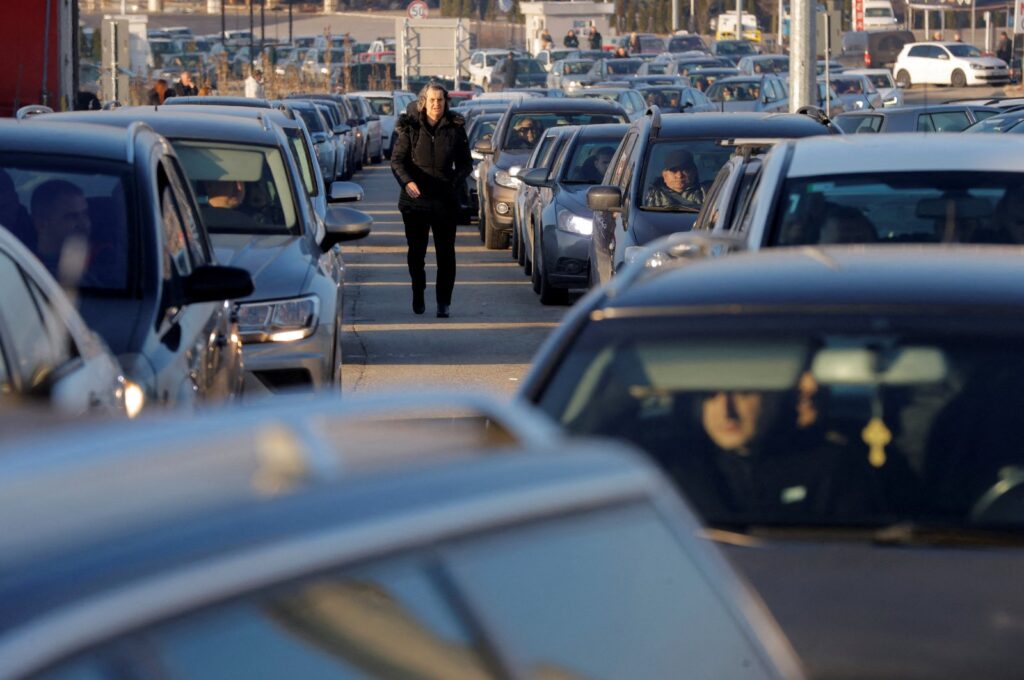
<point x="739" y="20"/>
<point x="675" y="15"/>
<point x="252" y="36"/>
<point x="802" y="55"/>
<point x="290" y="5"/>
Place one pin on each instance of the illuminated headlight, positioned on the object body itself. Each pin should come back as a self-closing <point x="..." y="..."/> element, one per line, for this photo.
<point x="505" y="179"/>
<point x="476" y="172"/>
<point x="858" y="104"/>
<point x="359" y="133"/>
<point x="570" y="221"/>
<point x="476" y="155"/>
<point x="134" y="398"/>
<point x="278" y="321"/>
<point x="977" y="67"/>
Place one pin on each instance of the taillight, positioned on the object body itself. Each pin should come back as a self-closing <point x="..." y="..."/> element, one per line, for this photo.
<point x="867" y="59"/>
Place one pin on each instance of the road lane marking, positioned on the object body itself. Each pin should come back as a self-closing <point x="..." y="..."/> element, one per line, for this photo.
<point x="403" y="266"/>
<point x="457" y="283"/>
<point x="442" y="325"/>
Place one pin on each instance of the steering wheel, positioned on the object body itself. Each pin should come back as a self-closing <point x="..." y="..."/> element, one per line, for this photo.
<point x="1003" y="502"/>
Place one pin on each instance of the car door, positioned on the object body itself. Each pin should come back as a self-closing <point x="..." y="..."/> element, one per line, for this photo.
<point x="917" y="63"/>
<point x="534" y="202"/>
<point x="603" y="242"/>
<point x="623" y="217"/>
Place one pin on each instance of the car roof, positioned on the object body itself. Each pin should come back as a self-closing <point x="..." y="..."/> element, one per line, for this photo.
<point x="563" y="105"/>
<point x="38" y="135"/>
<point x="218" y="100"/>
<point x="923" y="108"/>
<point x="904" y="152"/>
<point x="738" y="125"/>
<point x="907" y="277"/>
<point x="280" y="117"/>
<point x="170" y="122"/>
<point x="599" y="131"/>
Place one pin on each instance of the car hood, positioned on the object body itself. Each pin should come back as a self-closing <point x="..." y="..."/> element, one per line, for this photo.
<point x="648" y="225"/>
<point x="506" y="159"/>
<point x="738" y="106"/>
<point x="280" y="266"/>
<point x="984" y="61"/>
<point x="858" y="609"/>
<point x="573" y="197"/>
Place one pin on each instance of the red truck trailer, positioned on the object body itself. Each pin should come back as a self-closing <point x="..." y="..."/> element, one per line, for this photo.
<point x="39" y="57"/>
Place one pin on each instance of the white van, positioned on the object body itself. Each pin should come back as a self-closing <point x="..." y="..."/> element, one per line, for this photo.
<point x="878" y="14"/>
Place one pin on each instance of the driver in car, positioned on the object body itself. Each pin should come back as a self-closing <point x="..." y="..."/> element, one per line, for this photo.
<point x="679" y="184"/>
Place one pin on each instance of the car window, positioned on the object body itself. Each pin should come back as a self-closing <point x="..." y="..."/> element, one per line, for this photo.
<point x="589" y="161"/>
<point x="918" y="51"/>
<point x="32" y="345"/>
<point x="922" y="207"/>
<point x="383" y="620"/>
<point x="195" y="236"/>
<point x="542" y="152"/>
<point x="853" y="124"/>
<point x="677" y="173"/>
<point x="302" y="159"/>
<point x="619" y="162"/>
<point x="525" y="129"/>
<point x="709" y="213"/>
<point x="241" y="189"/>
<point x="176" y="254"/>
<point x="655" y="612"/>
<point x="982" y="114"/>
<point x="83" y="210"/>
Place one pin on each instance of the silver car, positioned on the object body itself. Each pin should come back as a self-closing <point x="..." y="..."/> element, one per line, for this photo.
<point x="387" y="106"/>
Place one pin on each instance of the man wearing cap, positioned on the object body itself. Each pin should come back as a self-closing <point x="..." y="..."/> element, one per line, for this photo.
<point x="527" y="133"/>
<point x="254" y="85"/>
<point x="679" y="184"/>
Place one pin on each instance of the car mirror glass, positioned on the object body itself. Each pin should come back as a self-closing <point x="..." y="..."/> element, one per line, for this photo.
<point x="344" y="224"/>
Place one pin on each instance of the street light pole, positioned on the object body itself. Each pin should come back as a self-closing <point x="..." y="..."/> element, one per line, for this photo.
<point x="290" y="3"/>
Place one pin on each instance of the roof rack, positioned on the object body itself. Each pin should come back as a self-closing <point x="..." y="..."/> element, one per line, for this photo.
<point x="31" y="110"/>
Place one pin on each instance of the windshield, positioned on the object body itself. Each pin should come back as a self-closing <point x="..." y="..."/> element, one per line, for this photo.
<point x="314" y="121"/>
<point x="589" y="161"/>
<point x="963" y="50"/>
<point x="733" y="48"/>
<point x="66" y="214"/>
<point x="847" y="85"/>
<point x="623" y="67"/>
<point x="738" y="91"/>
<point x="302" y="160"/>
<point x="525" y="129"/>
<point x="819" y="424"/>
<point x="382" y="106"/>
<point x="703" y="80"/>
<point x="665" y="97"/>
<point x="770" y="65"/>
<point x="678" y="173"/>
<point x="881" y="80"/>
<point x="919" y="207"/>
<point x="574" y="68"/>
<point x="240" y="189"/>
<point x="685" y="43"/>
<point x="998" y="124"/>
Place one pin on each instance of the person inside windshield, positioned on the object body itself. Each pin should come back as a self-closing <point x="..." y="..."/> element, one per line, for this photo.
<point x="679" y="184"/>
<point x="527" y="132"/>
<point x="845" y="224"/>
<point x="727" y="94"/>
<point x="60" y="214"/>
<point x="593" y="169"/>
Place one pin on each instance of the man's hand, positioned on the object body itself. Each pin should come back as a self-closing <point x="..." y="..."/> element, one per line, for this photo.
<point x="412" y="190"/>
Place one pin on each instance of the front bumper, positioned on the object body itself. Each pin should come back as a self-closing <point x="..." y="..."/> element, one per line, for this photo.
<point x="987" y="76"/>
<point x="306" y="364"/>
<point x="500" y="207"/>
<point x="566" y="258"/>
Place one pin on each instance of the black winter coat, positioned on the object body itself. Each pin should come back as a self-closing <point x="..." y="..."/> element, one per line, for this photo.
<point x="437" y="161"/>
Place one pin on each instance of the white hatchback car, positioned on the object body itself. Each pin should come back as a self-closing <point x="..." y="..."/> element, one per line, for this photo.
<point x="947" y="63"/>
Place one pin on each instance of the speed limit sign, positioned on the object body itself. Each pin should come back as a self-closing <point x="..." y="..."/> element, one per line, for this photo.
<point x="417" y="9"/>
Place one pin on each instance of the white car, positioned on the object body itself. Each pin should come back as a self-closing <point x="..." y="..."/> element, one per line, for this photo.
<point x="481" y="64"/>
<point x="891" y="94"/>
<point x="388" y="105"/>
<point x="947" y="63"/>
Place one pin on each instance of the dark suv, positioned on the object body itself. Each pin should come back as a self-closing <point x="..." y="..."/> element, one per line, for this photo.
<point x="518" y="131"/>
<point x="625" y="214"/>
<point x="117" y="202"/>
<point x="872" y="49"/>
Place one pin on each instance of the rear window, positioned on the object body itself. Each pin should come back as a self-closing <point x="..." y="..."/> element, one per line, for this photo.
<point x="855" y="124"/>
<point x="526" y="129"/>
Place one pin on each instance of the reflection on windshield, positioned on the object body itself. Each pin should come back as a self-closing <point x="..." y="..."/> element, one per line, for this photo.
<point x="964" y="50"/>
<point x="526" y="129"/>
<point x="903" y="208"/>
<point x="823" y="428"/>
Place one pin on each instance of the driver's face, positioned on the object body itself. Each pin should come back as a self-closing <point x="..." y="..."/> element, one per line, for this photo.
<point x="731" y="419"/>
<point x="528" y="132"/>
<point x="602" y="162"/>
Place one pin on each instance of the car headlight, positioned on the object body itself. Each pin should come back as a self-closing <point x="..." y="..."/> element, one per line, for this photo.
<point x="976" y="67"/>
<point x="278" y="321"/>
<point x="505" y="178"/>
<point x="476" y="172"/>
<point x="858" y="104"/>
<point x="577" y="224"/>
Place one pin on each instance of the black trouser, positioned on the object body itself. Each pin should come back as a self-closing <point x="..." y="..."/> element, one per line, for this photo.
<point x="418" y="225"/>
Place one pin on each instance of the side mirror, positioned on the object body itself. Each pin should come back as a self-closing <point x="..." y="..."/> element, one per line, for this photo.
<point x="342" y="129"/>
<point x="373" y="118"/>
<point x="604" y="197"/>
<point x="209" y="283"/>
<point x="319" y="137"/>
<point x="345" y="192"/>
<point x="535" y="177"/>
<point x="483" y="147"/>
<point x="344" y="224"/>
<point x="352" y="122"/>
<point x="362" y="121"/>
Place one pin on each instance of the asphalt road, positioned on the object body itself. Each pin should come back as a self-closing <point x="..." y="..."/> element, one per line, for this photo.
<point x="920" y="94"/>
<point x="496" y="324"/>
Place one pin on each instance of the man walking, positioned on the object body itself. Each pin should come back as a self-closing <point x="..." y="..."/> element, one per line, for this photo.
<point x="596" y="39"/>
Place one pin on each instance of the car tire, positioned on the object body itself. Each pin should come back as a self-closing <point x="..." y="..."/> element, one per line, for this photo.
<point x="514" y="242"/>
<point x="549" y="295"/>
<point x="535" y="265"/>
<point x="521" y="254"/>
<point x="481" y="222"/>
<point x="903" y="80"/>
<point x="493" y="239"/>
<point x="958" y="79"/>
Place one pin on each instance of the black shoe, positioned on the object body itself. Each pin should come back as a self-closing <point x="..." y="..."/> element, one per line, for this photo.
<point x="442" y="311"/>
<point x="418" y="305"/>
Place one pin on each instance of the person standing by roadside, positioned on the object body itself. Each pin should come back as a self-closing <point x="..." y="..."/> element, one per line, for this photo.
<point x="431" y="160"/>
<point x="254" y="85"/>
<point x="596" y="39"/>
<point x="511" y="70"/>
<point x="185" y="87"/>
<point x="546" y="41"/>
<point x="1004" y="48"/>
<point x="570" y="39"/>
<point x="158" y="93"/>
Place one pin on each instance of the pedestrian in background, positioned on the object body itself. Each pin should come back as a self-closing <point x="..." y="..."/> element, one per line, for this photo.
<point x="546" y="41"/>
<point x="158" y="93"/>
<point x="185" y="87"/>
<point x="431" y="161"/>
<point x="596" y="39"/>
<point x="570" y="39"/>
<point x="511" y="70"/>
<point x="254" y="85"/>
<point x="1004" y="48"/>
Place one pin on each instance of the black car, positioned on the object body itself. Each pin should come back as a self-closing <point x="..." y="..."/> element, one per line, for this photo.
<point x="132" y="243"/>
<point x="926" y="118"/>
<point x="627" y="212"/>
<point x="872" y="49"/>
<point x="266" y="544"/>
<point x="1002" y="122"/>
<point x="514" y="139"/>
<point x="846" y="422"/>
